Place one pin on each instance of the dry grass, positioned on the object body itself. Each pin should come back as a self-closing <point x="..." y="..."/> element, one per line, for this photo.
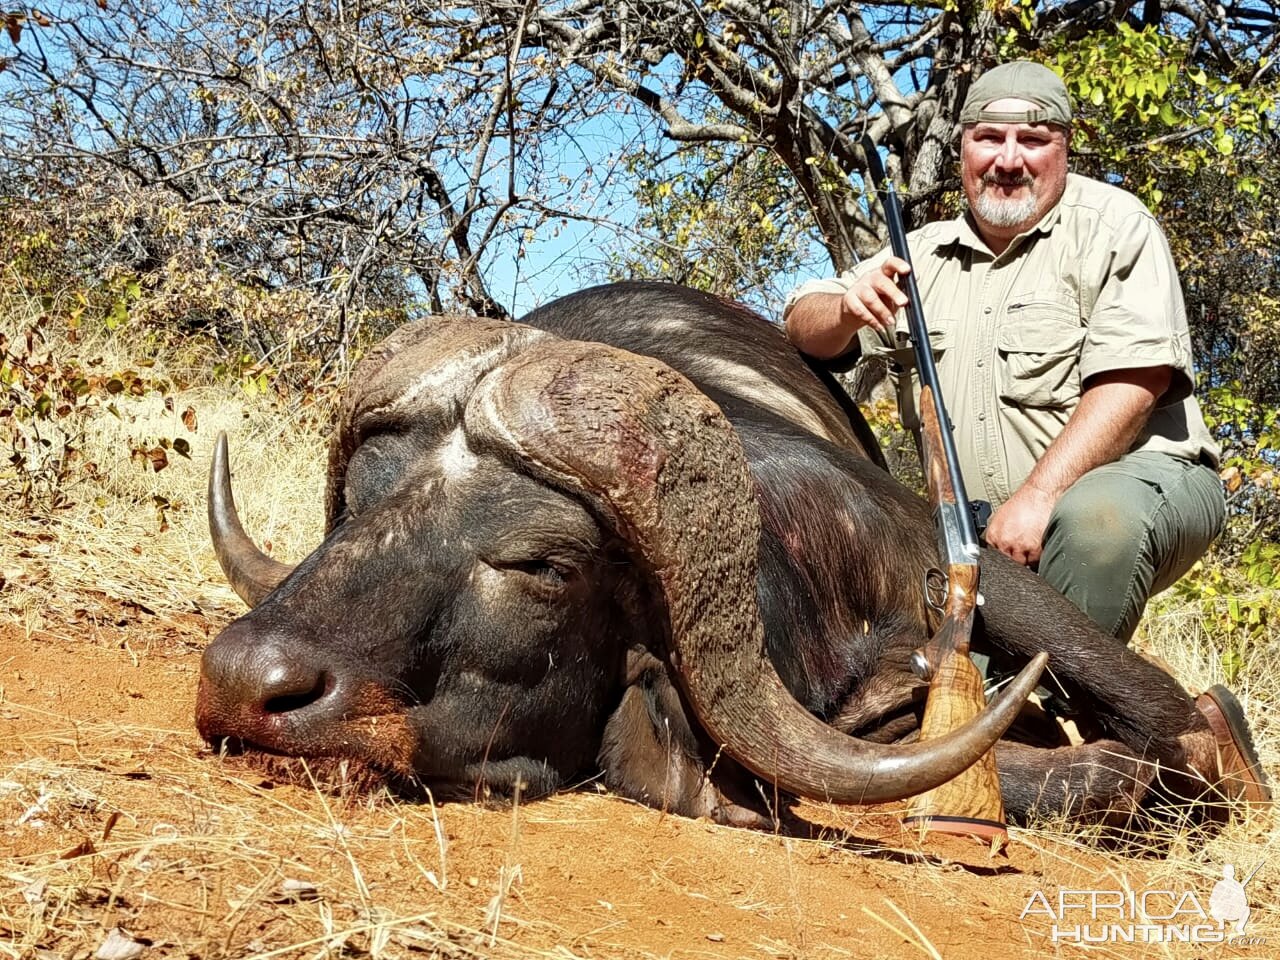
<point x="108" y="824"/>
<point x="113" y="543"/>
<point x="128" y="828"/>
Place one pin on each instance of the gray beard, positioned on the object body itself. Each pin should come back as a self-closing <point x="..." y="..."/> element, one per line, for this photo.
<point x="1001" y="212"/>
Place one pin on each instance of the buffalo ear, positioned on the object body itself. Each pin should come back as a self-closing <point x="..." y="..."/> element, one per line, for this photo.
<point x="651" y="754"/>
<point x="648" y="752"/>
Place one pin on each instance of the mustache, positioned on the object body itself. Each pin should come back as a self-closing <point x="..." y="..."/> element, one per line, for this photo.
<point x="1008" y="179"/>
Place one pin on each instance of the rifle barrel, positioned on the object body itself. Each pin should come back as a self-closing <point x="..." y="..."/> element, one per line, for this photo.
<point x="956" y="515"/>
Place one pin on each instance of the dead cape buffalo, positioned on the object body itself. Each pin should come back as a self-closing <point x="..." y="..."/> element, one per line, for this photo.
<point x="636" y="533"/>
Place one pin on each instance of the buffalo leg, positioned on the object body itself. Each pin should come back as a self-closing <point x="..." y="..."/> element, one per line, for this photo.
<point x="1132" y="699"/>
<point x="1102" y="782"/>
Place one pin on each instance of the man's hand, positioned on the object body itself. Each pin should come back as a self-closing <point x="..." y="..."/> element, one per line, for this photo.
<point x="1017" y="527"/>
<point x="823" y="325"/>
<point x="875" y="297"/>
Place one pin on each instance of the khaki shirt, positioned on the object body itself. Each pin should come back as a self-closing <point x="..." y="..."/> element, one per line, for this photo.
<point x="1091" y="288"/>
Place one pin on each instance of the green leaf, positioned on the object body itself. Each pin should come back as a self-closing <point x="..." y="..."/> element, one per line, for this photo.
<point x="1226" y="144"/>
<point x="1097" y="96"/>
<point x="118" y="315"/>
<point x="1232" y="663"/>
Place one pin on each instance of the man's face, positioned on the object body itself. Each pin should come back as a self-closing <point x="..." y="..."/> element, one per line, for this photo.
<point x="1013" y="173"/>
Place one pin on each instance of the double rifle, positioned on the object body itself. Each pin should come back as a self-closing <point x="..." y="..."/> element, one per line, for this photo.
<point x="970" y="804"/>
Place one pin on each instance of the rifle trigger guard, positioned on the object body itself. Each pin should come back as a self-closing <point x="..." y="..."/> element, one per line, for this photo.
<point x="935" y="590"/>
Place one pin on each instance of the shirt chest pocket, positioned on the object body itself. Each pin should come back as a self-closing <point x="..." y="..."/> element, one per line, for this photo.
<point x="1039" y="350"/>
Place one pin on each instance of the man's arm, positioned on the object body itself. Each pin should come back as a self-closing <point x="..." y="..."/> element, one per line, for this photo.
<point x="823" y="325"/>
<point x="1113" y="409"/>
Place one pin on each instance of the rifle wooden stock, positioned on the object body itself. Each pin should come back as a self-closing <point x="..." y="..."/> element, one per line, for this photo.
<point x="970" y="803"/>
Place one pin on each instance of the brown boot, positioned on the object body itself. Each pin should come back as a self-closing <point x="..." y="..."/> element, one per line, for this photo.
<point x="1240" y="775"/>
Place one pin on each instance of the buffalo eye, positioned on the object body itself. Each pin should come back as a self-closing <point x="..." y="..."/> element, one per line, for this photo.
<point x="544" y="575"/>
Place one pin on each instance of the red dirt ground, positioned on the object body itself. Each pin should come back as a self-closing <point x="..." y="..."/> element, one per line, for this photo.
<point x="112" y="813"/>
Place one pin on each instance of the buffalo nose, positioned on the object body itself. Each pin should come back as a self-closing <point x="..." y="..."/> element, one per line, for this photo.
<point x="253" y="677"/>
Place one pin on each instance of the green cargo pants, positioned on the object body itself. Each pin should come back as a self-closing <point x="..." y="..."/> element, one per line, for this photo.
<point x="1122" y="532"/>
<point x="1127" y="530"/>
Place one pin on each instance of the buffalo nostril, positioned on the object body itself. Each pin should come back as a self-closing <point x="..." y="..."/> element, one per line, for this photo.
<point x="273" y="682"/>
<point x="293" y="693"/>
<point x="245" y="673"/>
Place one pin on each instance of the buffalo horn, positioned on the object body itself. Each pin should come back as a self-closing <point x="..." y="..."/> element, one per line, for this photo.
<point x="251" y="573"/>
<point x="659" y="460"/>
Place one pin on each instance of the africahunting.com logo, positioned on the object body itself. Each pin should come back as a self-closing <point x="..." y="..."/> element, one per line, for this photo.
<point x="1148" y="916"/>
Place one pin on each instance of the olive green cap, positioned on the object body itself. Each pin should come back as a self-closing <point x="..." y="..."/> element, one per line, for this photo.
<point x="1025" y="80"/>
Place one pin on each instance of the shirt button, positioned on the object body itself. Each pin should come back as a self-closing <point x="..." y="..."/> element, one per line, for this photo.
<point x="986" y="309"/>
<point x="982" y="416"/>
<point x="980" y="362"/>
